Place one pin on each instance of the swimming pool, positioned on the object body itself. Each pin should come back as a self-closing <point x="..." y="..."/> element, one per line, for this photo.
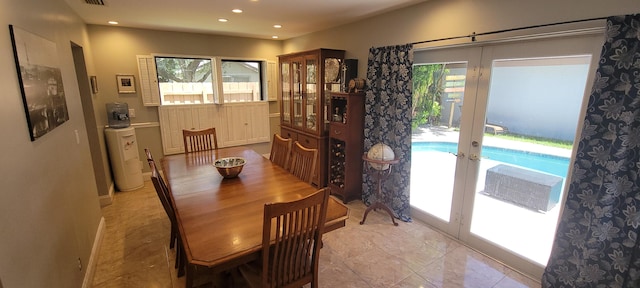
<point x="536" y="161"/>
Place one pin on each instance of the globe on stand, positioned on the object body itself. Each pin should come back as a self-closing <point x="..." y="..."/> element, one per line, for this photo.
<point x="380" y="152"/>
<point x="380" y="158"/>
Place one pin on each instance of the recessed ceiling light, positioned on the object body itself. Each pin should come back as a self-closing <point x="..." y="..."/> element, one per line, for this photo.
<point x="274" y="37"/>
<point x="222" y="20"/>
<point x="236" y="10"/>
<point x="113" y="22"/>
<point x="277" y="26"/>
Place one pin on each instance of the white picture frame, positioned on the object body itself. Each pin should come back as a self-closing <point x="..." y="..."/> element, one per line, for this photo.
<point x="126" y="84"/>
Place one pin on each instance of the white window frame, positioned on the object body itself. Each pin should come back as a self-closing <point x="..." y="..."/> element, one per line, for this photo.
<point x="262" y="76"/>
<point x="149" y="78"/>
<point x="214" y="77"/>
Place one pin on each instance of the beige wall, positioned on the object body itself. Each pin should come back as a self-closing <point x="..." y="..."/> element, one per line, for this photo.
<point x="114" y="52"/>
<point x="49" y="210"/>
<point x="436" y="19"/>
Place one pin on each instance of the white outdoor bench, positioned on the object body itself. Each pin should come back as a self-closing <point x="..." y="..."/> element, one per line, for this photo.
<point x="528" y="188"/>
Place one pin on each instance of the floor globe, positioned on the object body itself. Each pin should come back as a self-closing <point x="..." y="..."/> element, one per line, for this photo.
<point x="380" y="152"/>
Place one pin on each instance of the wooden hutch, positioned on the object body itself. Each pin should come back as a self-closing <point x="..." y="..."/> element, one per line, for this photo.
<point x="306" y="79"/>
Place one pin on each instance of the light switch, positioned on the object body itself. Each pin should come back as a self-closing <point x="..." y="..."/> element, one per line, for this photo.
<point x="77" y="136"/>
<point x="132" y="113"/>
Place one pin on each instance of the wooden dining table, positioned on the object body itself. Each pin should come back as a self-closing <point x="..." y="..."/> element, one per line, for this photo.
<point x="220" y="220"/>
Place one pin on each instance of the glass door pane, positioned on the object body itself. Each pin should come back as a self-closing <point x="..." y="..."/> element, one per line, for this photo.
<point x="531" y="119"/>
<point x="437" y="101"/>
<point x="443" y="81"/>
<point x="311" y="90"/>
<point x="286" y="92"/>
<point x="296" y="67"/>
<point x="332" y="83"/>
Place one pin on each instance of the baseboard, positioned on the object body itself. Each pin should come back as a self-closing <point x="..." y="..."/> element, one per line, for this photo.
<point x="106" y="200"/>
<point x="93" y="259"/>
<point x="146" y="176"/>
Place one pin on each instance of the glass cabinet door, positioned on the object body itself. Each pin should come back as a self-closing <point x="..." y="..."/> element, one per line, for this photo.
<point x="311" y="94"/>
<point x="286" y="92"/>
<point x="296" y="67"/>
<point x="332" y="76"/>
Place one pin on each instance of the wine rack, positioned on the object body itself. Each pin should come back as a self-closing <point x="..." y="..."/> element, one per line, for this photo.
<point x="337" y="165"/>
<point x="346" y="145"/>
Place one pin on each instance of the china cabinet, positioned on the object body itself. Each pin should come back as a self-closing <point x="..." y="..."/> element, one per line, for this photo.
<point x="346" y="145"/>
<point x="306" y="79"/>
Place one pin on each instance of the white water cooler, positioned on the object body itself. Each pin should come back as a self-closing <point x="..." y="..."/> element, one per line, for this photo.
<point x="123" y="153"/>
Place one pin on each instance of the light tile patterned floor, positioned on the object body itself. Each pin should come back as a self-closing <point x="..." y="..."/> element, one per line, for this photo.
<point x="135" y="252"/>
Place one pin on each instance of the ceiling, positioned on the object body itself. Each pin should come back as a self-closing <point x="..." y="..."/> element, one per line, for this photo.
<point x="297" y="17"/>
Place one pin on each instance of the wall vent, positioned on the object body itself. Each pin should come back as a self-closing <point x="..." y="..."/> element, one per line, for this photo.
<point x="95" y="2"/>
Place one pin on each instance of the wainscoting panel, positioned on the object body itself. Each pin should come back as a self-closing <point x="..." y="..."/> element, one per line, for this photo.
<point x="236" y="124"/>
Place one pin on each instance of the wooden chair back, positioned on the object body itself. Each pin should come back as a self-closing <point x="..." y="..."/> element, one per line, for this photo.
<point x="149" y="156"/>
<point x="199" y="140"/>
<point x="163" y="194"/>
<point x="162" y="190"/>
<point x="293" y="231"/>
<point x="303" y="162"/>
<point x="280" y="150"/>
<point x="154" y="170"/>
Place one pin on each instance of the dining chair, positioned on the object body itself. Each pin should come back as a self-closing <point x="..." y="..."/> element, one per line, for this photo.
<point x="165" y="190"/>
<point x="148" y="153"/>
<point x="162" y="190"/>
<point x="199" y="140"/>
<point x="154" y="167"/>
<point x="280" y="150"/>
<point x="303" y="162"/>
<point x="291" y="249"/>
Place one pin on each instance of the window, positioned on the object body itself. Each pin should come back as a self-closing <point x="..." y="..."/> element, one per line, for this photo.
<point x="186" y="80"/>
<point x="241" y="81"/>
<point x="201" y="80"/>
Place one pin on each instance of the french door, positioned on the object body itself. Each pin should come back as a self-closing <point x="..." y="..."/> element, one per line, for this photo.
<point x="491" y="167"/>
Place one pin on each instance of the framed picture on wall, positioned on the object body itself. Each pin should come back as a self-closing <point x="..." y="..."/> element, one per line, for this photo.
<point x="40" y="82"/>
<point x="126" y="84"/>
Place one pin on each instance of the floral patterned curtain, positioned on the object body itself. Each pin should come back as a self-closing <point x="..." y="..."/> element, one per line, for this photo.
<point x="597" y="242"/>
<point x="388" y="121"/>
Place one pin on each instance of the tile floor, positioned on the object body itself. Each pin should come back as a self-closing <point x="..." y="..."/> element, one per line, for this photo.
<point x="135" y="252"/>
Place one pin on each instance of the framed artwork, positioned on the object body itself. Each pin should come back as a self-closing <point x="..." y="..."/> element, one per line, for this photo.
<point x="40" y="82"/>
<point x="126" y="84"/>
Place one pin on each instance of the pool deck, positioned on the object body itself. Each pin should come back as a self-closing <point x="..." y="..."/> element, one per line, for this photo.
<point x="526" y="232"/>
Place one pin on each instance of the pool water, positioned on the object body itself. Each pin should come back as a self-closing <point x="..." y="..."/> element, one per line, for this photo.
<point x="536" y="161"/>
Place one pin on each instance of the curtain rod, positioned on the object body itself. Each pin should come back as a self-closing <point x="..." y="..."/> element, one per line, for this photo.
<point x="474" y="34"/>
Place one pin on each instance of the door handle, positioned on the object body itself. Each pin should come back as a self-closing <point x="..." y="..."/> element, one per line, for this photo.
<point x="472" y="157"/>
<point x="459" y="155"/>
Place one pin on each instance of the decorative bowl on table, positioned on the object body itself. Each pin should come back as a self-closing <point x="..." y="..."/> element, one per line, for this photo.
<point x="230" y="167"/>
